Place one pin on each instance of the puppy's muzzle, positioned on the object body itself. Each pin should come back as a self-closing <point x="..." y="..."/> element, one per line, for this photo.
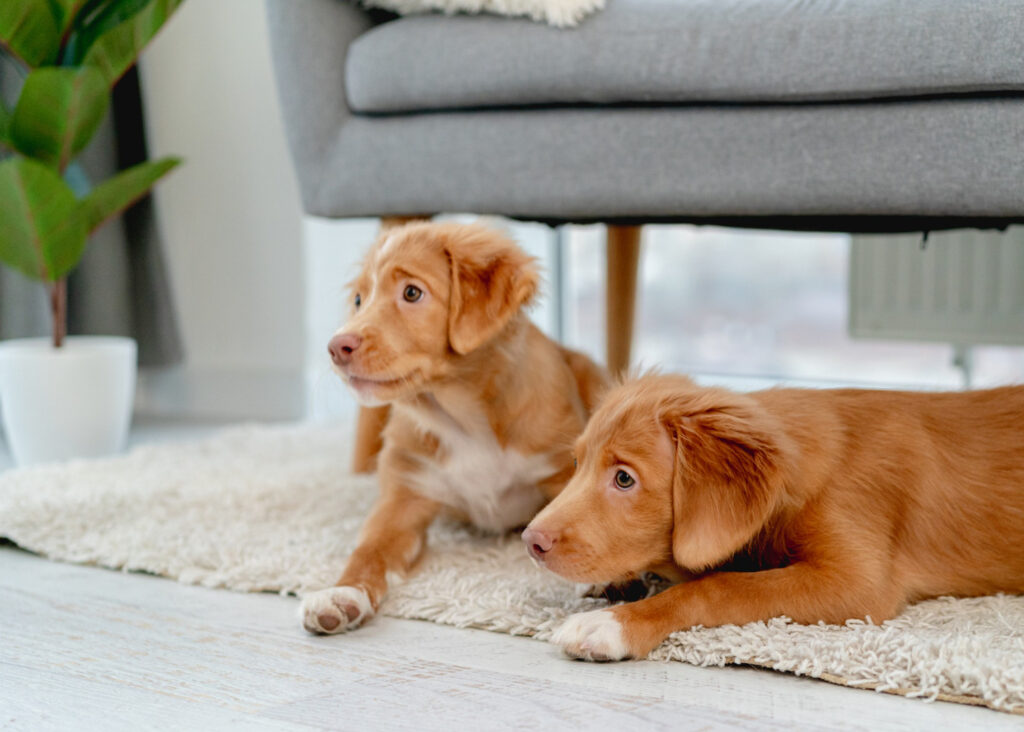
<point x="537" y="543"/>
<point x="342" y="346"/>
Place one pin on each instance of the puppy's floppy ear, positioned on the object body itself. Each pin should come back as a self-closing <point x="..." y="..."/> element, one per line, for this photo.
<point x="491" y="279"/>
<point x="731" y="461"/>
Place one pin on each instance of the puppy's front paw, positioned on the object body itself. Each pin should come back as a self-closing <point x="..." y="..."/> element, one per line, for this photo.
<point x="335" y="609"/>
<point x="593" y="636"/>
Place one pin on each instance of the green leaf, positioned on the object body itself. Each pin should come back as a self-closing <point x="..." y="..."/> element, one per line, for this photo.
<point x="90" y="9"/>
<point x="98" y="19"/>
<point x="29" y="30"/>
<point x="117" y="49"/>
<point x="115" y="195"/>
<point x="5" y="122"/>
<point x="65" y="12"/>
<point x="40" y="233"/>
<point x="83" y="13"/>
<point x="58" y="112"/>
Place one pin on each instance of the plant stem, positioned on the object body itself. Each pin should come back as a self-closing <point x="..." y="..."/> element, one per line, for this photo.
<point x="59" y="310"/>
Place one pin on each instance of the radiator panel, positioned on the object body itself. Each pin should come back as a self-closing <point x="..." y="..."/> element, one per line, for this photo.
<point x="964" y="287"/>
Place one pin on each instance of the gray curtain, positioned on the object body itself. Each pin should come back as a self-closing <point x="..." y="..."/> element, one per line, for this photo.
<point x="121" y="286"/>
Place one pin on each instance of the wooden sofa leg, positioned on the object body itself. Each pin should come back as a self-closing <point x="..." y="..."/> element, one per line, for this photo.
<point x="622" y="262"/>
<point x="371" y="420"/>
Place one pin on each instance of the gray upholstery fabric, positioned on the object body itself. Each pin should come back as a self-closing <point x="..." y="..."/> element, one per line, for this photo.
<point x="309" y="40"/>
<point x="693" y="50"/>
<point x="959" y="157"/>
<point x="122" y="286"/>
<point x="757" y="164"/>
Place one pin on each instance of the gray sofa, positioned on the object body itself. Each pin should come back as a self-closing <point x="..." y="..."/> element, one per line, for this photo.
<point x="836" y="114"/>
<point x="841" y="115"/>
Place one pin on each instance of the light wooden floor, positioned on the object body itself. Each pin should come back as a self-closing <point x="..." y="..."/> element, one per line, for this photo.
<point x="83" y="648"/>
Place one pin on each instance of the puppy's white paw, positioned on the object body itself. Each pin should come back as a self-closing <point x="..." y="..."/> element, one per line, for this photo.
<point x="593" y="636"/>
<point x="335" y="609"/>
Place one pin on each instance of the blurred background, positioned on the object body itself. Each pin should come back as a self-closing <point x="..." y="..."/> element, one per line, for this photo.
<point x="258" y="287"/>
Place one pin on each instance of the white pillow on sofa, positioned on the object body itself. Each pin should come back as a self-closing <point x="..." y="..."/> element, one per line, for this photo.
<point x="555" y="12"/>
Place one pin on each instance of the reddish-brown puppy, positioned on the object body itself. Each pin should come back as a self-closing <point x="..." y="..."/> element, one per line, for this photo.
<point x="816" y="504"/>
<point x="485" y="407"/>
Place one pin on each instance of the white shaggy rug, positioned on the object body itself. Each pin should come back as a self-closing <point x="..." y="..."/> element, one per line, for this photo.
<point x="272" y="508"/>
<point x="561" y="13"/>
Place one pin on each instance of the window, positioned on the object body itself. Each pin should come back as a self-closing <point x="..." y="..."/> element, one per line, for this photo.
<point x="754" y="307"/>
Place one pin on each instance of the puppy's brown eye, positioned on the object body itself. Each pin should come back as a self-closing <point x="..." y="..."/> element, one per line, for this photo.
<point x="623" y="480"/>
<point x="575" y="464"/>
<point x="359" y="300"/>
<point x="412" y="293"/>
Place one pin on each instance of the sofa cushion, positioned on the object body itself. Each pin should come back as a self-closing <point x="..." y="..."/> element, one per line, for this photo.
<point x="678" y="51"/>
<point x="958" y="157"/>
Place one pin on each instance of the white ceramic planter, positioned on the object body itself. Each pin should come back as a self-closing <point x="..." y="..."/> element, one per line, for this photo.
<point x="75" y="401"/>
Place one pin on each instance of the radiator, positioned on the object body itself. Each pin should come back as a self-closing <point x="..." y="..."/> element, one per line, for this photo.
<point x="964" y="287"/>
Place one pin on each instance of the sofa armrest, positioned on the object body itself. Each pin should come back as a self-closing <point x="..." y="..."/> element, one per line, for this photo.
<point x="309" y="41"/>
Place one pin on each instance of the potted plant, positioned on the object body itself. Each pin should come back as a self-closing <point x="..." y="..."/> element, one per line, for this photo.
<point x="65" y="397"/>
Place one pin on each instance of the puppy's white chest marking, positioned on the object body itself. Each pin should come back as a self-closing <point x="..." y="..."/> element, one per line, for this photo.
<point x="496" y="488"/>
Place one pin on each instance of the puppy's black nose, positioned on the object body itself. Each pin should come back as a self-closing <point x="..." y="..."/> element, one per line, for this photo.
<point x="342" y="346"/>
<point x="537" y="543"/>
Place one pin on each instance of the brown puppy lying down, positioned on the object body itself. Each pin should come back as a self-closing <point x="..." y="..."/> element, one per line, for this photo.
<point x="820" y="505"/>
<point x="484" y="410"/>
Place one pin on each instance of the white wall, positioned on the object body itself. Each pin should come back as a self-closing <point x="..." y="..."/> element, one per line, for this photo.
<point x="230" y="216"/>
